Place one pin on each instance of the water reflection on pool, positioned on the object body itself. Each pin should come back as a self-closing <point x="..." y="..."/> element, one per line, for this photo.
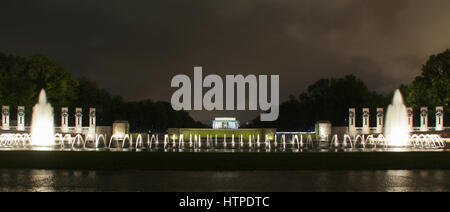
<point x="131" y="180"/>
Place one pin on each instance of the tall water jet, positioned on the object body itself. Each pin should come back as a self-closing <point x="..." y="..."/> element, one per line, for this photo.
<point x="42" y="129"/>
<point x="396" y="128"/>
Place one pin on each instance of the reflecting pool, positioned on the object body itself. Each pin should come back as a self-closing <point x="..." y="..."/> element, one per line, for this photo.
<point x="250" y="181"/>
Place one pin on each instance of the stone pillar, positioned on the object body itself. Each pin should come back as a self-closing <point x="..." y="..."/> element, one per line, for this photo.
<point x="65" y="119"/>
<point x="351" y="121"/>
<point x="366" y="123"/>
<point x="78" y="119"/>
<point x="21" y="118"/>
<point x="410" y="118"/>
<point x="439" y="118"/>
<point x="323" y="130"/>
<point x="120" y="128"/>
<point x="424" y="119"/>
<point x="380" y="120"/>
<point x="92" y="121"/>
<point x="5" y="117"/>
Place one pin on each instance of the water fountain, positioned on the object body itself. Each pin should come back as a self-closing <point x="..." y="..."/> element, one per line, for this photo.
<point x="42" y="127"/>
<point x="396" y="134"/>
<point x="397" y="128"/>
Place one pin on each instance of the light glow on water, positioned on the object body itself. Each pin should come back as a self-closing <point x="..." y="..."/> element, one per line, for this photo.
<point x="42" y="126"/>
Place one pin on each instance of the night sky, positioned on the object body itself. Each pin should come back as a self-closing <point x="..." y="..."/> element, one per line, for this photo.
<point x="134" y="48"/>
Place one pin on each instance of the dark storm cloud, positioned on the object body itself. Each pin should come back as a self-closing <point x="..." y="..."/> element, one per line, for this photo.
<point x="133" y="48"/>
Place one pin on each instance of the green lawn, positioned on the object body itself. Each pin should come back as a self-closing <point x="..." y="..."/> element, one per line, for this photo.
<point x="225" y="161"/>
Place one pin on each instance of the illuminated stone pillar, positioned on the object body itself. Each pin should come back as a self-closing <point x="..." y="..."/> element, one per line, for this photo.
<point x="439" y="118"/>
<point x="351" y="121"/>
<point x="410" y="118"/>
<point x="323" y="130"/>
<point x="366" y="123"/>
<point x="5" y="117"/>
<point x="78" y="120"/>
<point x="64" y="119"/>
<point x="92" y="121"/>
<point x="122" y="127"/>
<point x="21" y="118"/>
<point x="380" y="120"/>
<point x="424" y="119"/>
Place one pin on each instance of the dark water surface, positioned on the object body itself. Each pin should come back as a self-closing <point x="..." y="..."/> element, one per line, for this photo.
<point x="134" y="180"/>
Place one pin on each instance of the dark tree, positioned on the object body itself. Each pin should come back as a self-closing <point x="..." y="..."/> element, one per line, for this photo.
<point x="432" y="87"/>
<point x="326" y="99"/>
<point x="22" y="78"/>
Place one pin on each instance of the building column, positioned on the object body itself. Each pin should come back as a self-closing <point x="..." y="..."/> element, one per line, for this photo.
<point x="439" y="118"/>
<point x="424" y="119"/>
<point x="92" y="120"/>
<point x="5" y="117"/>
<point x="380" y="120"/>
<point x="21" y="118"/>
<point x="78" y="120"/>
<point x="366" y="123"/>
<point x="65" y="119"/>
<point x="351" y="122"/>
<point x="410" y="118"/>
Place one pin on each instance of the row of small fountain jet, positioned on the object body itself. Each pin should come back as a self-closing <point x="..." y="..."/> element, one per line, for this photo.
<point x="153" y="142"/>
<point x="370" y="141"/>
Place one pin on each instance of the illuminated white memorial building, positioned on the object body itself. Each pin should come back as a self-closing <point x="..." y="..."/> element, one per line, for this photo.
<point x="225" y="123"/>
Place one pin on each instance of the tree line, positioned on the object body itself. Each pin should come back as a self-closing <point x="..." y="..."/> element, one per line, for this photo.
<point x="330" y="99"/>
<point x="21" y="79"/>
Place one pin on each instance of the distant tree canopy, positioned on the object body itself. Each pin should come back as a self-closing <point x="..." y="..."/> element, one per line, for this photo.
<point x="22" y="78"/>
<point x="432" y="87"/>
<point x="326" y="99"/>
<point x="329" y="99"/>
